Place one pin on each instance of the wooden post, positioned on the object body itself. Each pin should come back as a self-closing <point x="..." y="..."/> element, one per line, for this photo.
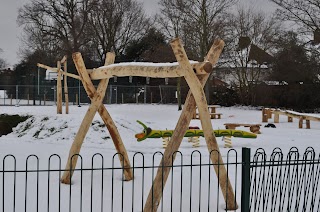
<point x="290" y="119"/>
<point x="122" y="100"/>
<point x="44" y="99"/>
<point x="264" y="115"/>
<point x="76" y="99"/>
<point x="197" y="95"/>
<point x="28" y="96"/>
<point x="11" y="99"/>
<point x="276" y="117"/>
<point x="269" y="112"/>
<point x="300" y="122"/>
<point x="59" y="89"/>
<point x="66" y="95"/>
<point x="307" y="124"/>
<point x="96" y="97"/>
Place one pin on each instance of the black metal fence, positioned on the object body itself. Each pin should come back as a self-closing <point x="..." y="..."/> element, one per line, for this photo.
<point x="116" y="94"/>
<point x="276" y="184"/>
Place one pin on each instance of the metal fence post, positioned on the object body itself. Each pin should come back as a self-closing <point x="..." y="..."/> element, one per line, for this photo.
<point x="145" y="94"/>
<point x="17" y="94"/>
<point x="110" y="97"/>
<point x="245" y="180"/>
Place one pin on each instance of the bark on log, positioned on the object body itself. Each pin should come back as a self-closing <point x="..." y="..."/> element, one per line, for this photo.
<point x="148" y="71"/>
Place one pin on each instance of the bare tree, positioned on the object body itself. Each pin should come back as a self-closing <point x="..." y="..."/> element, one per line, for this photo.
<point x="198" y="22"/>
<point x="260" y="32"/>
<point x="3" y="63"/>
<point x="304" y="13"/>
<point x="115" y="23"/>
<point x="60" y="23"/>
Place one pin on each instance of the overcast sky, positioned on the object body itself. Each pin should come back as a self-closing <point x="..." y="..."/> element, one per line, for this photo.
<point x="10" y="32"/>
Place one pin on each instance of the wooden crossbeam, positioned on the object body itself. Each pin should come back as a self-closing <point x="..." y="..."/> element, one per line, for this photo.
<point x="152" y="70"/>
<point x="56" y="70"/>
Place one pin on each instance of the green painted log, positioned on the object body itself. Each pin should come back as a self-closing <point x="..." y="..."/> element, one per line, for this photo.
<point x="150" y="133"/>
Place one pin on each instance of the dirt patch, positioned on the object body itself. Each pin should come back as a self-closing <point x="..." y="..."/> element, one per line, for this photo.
<point x="7" y="122"/>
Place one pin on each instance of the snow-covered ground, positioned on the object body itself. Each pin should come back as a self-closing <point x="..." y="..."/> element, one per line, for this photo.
<point x="47" y="133"/>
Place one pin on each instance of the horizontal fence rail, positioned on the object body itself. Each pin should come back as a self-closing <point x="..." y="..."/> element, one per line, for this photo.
<point x="279" y="182"/>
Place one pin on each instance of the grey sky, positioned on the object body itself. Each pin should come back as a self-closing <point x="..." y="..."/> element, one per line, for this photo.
<point x="10" y="33"/>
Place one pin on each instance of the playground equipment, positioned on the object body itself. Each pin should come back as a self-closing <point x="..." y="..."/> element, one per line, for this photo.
<point x="267" y="114"/>
<point x="212" y="112"/>
<point x="195" y="75"/>
<point x="60" y="64"/>
<point x="190" y="133"/>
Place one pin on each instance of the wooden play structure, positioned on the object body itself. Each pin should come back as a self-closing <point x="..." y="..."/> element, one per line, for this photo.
<point x="195" y="75"/>
<point x="193" y="134"/>
<point x="61" y="64"/>
<point x="302" y="117"/>
<point x="254" y="128"/>
<point x="212" y="112"/>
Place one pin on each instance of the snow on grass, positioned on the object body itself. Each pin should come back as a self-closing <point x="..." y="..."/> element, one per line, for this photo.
<point x="46" y="133"/>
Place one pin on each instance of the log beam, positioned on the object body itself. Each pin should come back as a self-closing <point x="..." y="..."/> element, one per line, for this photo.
<point x="56" y="70"/>
<point x="155" y="71"/>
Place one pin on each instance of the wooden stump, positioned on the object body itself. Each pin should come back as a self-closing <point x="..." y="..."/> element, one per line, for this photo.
<point x="307" y="124"/>
<point x="276" y="117"/>
<point x="269" y="112"/>
<point x="264" y="115"/>
<point x="301" y="122"/>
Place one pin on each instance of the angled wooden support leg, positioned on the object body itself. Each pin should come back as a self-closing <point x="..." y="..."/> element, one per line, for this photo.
<point x="96" y="105"/>
<point x="159" y="182"/>
<point x="210" y="138"/>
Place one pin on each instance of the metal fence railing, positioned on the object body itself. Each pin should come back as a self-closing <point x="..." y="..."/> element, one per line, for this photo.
<point x="116" y="94"/>
<point x="260" y="184"/>
<point x="281" y="183"/>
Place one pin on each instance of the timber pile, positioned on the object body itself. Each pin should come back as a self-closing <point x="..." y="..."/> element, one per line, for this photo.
<point x="302" y="117"/>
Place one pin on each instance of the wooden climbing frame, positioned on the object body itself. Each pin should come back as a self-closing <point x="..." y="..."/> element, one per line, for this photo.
<point x="60" y="72"/>
<point x="196" y="76"/>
